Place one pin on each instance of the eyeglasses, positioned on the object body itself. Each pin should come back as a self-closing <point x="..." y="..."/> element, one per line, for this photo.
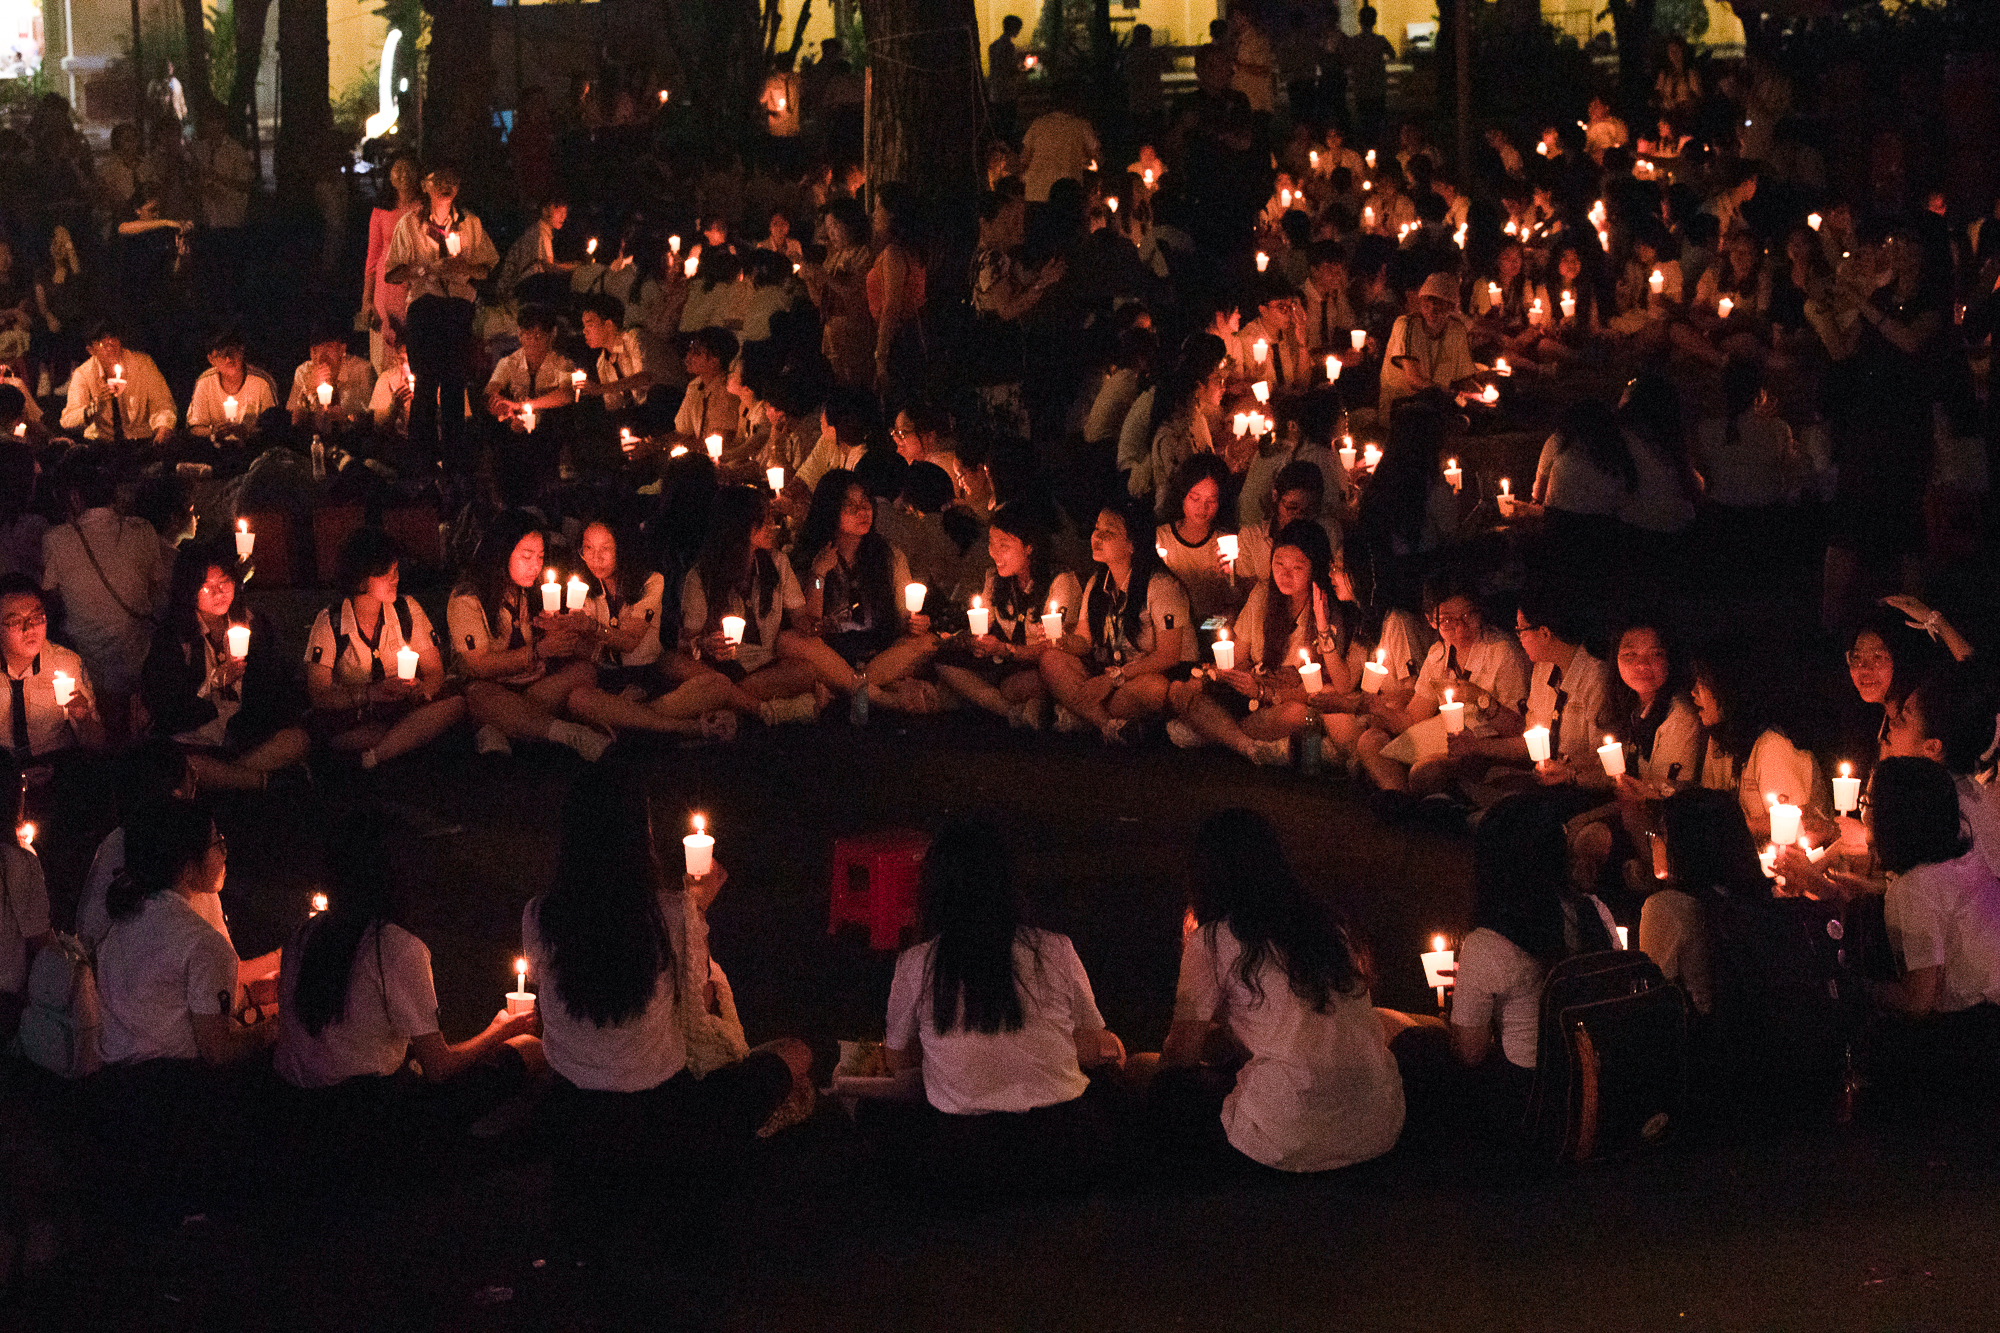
<point x="1870" y="661"/>
<point x="1454" y="622"/>
<point x="24" y="622"/>
<point x="898" y="433"/>
<point x="1524" y="630"/>
<point x="222" y="589"/>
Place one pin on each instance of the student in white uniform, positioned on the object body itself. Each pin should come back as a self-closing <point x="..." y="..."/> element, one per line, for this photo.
<point x="1000" y="671"/>
<point x="740" y="572"/>
<point x="232" y="396"/>
<point x="1950" y="718"/>
<point x="37" y="727"/>
<point x="1268" y="971"/>
<point x="1189" y="540"/>
<point x="1129" y="641"/>
<point x="349" y="382"/>
<point x="997" y="1020"/>
<point x="362" y="704"/>
<point x="1745" y="748"/>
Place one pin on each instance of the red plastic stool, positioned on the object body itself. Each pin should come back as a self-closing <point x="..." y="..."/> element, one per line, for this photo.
<point x="875" y="883"/>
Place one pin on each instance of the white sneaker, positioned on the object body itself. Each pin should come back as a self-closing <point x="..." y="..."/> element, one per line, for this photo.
<point x="585" y="741"/>
<point x="1118" y="731"/>
<point x="491" y="740"/>
<point x="1182" y="735"/>
<point x="1067" y="722"/>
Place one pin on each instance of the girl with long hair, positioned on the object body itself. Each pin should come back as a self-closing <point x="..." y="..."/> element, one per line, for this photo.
<point x="740" y="572"/>
<point x="1510" y="310"/>
<point x="235" y="716"/>
<point x="1269" y="969"/>
<point x="1710" y="854"/>
<point x="1576" y="317"/>
<point x="1198" y="513"/>
<point x="1000" y="670"/>
<point x="1186" y="405"/>
<point x="1749" y="747"/>
<point x="1131" y="637"/>
<point x="858" y="630"/>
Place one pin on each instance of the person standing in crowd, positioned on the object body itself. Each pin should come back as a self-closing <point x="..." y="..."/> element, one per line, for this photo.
<point x="1004" y="76"/>
<point x="1368" y="55"/>
<point x="383" y="302"/>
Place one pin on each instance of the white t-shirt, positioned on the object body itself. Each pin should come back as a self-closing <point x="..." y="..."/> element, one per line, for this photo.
<point x="156" y="969"/>
<point x="208" y="404"/>
<point x="24" y="913"/>
<point x="1211" y="591"/>
<point x="1673" y="932"/>
<point x="1979" y="802"/>
<point x="967" y="1073"/>
<point x="391" y="1000"/>
<point x="1751" y="470"/>
<point x="642" y="1052"/>
<point x="136" y="563"/>
<point x="1057" y="146"/>
<point x="648" y="609"/>
<point x="352" y="389"/>
<point x="1321" y="1090"/>
<point x="1659" y="503"/>
<point x="787" y="596"/>
<point x="93" y="918"/>
<point x="1776" y="767"/>
<point x="1948" y="915"/>
<point x="1497" y="979"/>
<point x="1495" y="663"/>
<point x="1566" y="479"/>
<point x="355" y="666"/>
<point x="1584" y="685"/>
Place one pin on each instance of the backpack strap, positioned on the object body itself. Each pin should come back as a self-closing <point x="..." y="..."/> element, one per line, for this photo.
<point x="342" y="640"/>
<point x="404" y="621"/>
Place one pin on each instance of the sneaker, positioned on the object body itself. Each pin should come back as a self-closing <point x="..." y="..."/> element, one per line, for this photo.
<point x="1031" y="712"/>
<point x="719" y="725"/>
<point x="492" y="740"/>
<point x="1182" y="735"/>
<point x="796" y="708"/>
<point x="585" y="741"/>
<point x="1271" y="754"/>
<point x="1068" y="723"/>
<point x="1118" y="731"/>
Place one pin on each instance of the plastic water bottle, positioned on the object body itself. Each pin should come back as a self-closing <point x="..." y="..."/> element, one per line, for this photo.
<point x="857" y="707"/>
<point x="1309" y="750"/>
<point x="318" y="459"/>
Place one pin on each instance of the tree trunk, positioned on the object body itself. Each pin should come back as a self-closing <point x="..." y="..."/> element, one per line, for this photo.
<point x="458" y="102"/>
<point x="248" y="16"/>
<point x="1632" y="26"/>
<point x="923" y="112"/>
<point x="197" y="86"/>
<point x="305" y="107"/>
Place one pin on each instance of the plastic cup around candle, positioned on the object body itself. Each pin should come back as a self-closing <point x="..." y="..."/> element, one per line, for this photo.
<point x="406" y="663"/>
<point x="1768" y="858"/>
<point x="1225" y="653"/>
<point x="1568" y="306"/>
<point x="1261" y="390"/>
<point x="1454" y="476"/>
<point x="979" y="620"/>
<point x="1052" y="626"/>
<point x="246" y="540"/>
<point x="578" y="595"/>
<point x="1724" y="306"/>
<point x="1538" y="743"/>
<point x="325" y="393"/>
<point x="1374" y="675"/>
<point x="1813" y="220"/>
<point x="239" y="641"/>
<point x="1440" y="964"/>
<point x="1332" y="368"/>
<point x="551" y="595"/>
<point x="451" y="243"/>
<point x="776" y="477"/>
<point x="577" y="379"/>
<point x="1348" y="458"/>
<point x="1785" y="819"/>
<point x="1846" y="791"/>
<point x="1453" y="713"/>
<point x="732" y="629"/>
<point x="528" y="417"/>
<point x="65" y="686"/>
<point x="1263" y="261"/>
<point x="232" y="411"/>
<point x="1657" y="283"/>
<point x="1228" y="547"/>
<point x="913" y="598"/>
<point x="689" y="267"/>
<point x="1612" y="755"/>
<point x="1371" y="456"/>
<point x="673" y="245"/>
<point x="1624" y="937"/>
<point x="1309" y="676"/>
<point x="519" y="1003"/>
<point x="1359" y="337"/>
<point x="714" y="446"/>
<point x="699" y="849"/>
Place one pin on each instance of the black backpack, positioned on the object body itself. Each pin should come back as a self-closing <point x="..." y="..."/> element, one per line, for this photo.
<point x="1785" y="1011"/>
<point x="1611" y="1074"/>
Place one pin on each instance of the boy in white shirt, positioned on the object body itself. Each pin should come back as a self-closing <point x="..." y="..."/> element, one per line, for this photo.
<point x="1483" y="667"/>
<point x="232" y="395"/>
<point x="332" y="386"/>
<point x="118" y="393"/>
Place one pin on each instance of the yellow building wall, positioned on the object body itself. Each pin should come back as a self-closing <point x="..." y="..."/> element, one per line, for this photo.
<point x="354" y="40"/>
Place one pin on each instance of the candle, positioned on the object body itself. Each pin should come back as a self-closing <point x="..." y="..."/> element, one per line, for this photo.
<point x="1785" y="819"/>
<point x="1261" y="390"/>
<point x="627" y="440"/>
<point x="519" y="1001"/>
<point x="65" y="686"/>
<point x="528" y="417"/>
<point x="1813" y="220"/>
<point x="239" y="641"/>
<point x="688" y="268"/>
<point x="673" y="245"/>
<point x="1458" y="237"/>
<point x="1490" y="394"/>
<point x="117" y="376"/>
<point x="1657" y="283"/>
<point x="1375" y="674"/>
<point x="1846" y="791"/>
<point x="1371" y="159"/>
<point x="406" y="663"/>
<point x="1228" y="547"/>
<point x="1263" y="262"/>
<point x="1724" y="306"/>
<point x="232" y="411"/>
<point x="664" y="95"/>
<point x="1768" y="858"/>
<point x="1501" y="368"/>
<point x="1612" y="755"/>
<point x="1148" y="175"/>
<point x="576" y="380"/>
<point x="1569" y="305"/>
<point x="978" y="619"/>
<point x="578" y="594"/>
<point x="1259" y="350"/>
<point x="1332" y="368"/>
<point x="1359" y="337"/>
<point x="775" y="476"/>
<point x="1241" y="424"/>
<point x="1454" y="475"/>
<point x="732" y="629"/>
<point x="24" y="833"/>
<point x="1493" y="292"/>
<point x="551" y="594"/>
<point x="1543" y="148"/>
<point x="1285" y="197"/>
<point x="713" y="444"/>
<point x="1052" y="623"/>
<point x="1453" y="712"/>
<point x="246" y="540"/>
<point x="325" y="392"/>
<point x="1112" y="203"/>
<point x="1439" y="967"/>
<point x="1371" y="455"/>
<point x="1347" y="454"/>
<point x="913" y="597"/>
<point x="451" y="243"/>
<point x="317" y="905"/>
<point x="1225" y="651"/>
<point x="1368" y="216"/>
<point x="1624" y="937"/>
<point x="1309" y="673"/>
<point x="699" y="848"/>
<point x="1538" y="743"/>
<point x="1536" y="314"/>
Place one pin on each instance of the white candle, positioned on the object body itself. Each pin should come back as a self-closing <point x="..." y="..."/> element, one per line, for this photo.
<point x="1439" y="965"/>
<point x="1367" y="215"/>
<point x="528" y="417"/>
<point x="1453" y="712"/>
<point x="1225" y="651"/>
<point x="1785" y="819"/>
<point x="24" y="833"/>
<point x="1148" y="175"/>
<point x="325" y="393"/>
<point x="1724" y="306"/>
<point x="1261" y="390"/>
<point x="590" y="246"/>
<point x="1259" y="350"/>
<point x="1501" y="368"/>
<point x="689" y="267"/>
<point x="1612" y="755"/>
<point x="65" y="685"/>
<point x="232" y="411"/>
<point x="1371" y="455"/>
<point x="1309" y="673"/>
<point x="1493" y="292"/>
<point x="1332" y="368"/>
<point x="913" y="597"/>
<point x="1228" y="547"/>
<point x="1240" y="423"/>
<point x="775" y="476"/>
<point x="1359" y="337"/>
<point x="318" y="905"/>
<point x="1569" y="305"/>
<point x="1768" y="858"/>
<point x="1846" y="791"/>
<point x="578" y="594"/>
<point x="1490" y="394"/>
<point x="1348" y="457"/>
<point x="1536" y="315"/>
<point x="1263" y="261"/>
<point x="1624" y="937"/>
<point x="1454" y="475"/>
<point x="577" y="379"/>
<point x="673" y="245"/>
<point x="1813" y="220"/>
<point x="406" y="663"/>
<point x="1052" y="623"/>
<point x="1538" y="743"/>
<point x="246" y="540"/>
<point x="1375" y="674"/>
<point x="239" y="641"/>
<point x="732" y="629"/>
<point x="699" y="848"/>
<point x="1657" y="283"/>
<point x="1112" y="203"/>
<point x="1371" y="159"/>
<point x="519" y="1000"/>
<point x="551" y="594"/>
<point x="451" y="243"/>
<point x="978" y="619"/>
<point x="117" y="376"/>
<point x="713" y="444"/>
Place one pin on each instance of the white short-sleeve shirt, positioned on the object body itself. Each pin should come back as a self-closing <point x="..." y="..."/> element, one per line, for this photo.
<point x="391" y="1000"/>
<point x="208" y="406"/>
<point x="1498" y="979"/>
<point x="1582" y="691"/>
<point x="787" y="596"/>
<point x="1166" y="620"/>
<point x="967" y="1073"/>
<point x="1495" y="664"/>
<point x="353" y="660"/>
<point x="1948" y="915"/>
<point x="93" y="918"/>
<point x="155" y="970"/>
<point x="642" y="1052"/>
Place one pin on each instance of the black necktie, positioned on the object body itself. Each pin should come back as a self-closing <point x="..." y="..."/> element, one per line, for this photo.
<point x="1562" y="702"/>
<point x="20" y="702"/>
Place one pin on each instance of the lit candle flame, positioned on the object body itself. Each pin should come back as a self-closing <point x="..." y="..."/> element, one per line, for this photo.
<point x="1847" y="770"/>
<point x="1437" y="944"/>
<point x="700" y="823"/>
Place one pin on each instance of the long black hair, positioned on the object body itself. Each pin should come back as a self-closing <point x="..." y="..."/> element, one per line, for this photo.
<point x="362" y="897"/>
<point x="600" y="916"/>
<point x="1916" y="819"/>
<point x="728" y="563"/>
<point x="1591" y="427"/>
<point x="487" y="578"/>
<point x="874" y="558"/>
<point x="1027" y="523"/>
<point x="1242" y="878"/>
<point x="1193" y="471"/>
<point x="162" y="838"/>
<point x="972" y="914"/>
<point x="1913" y="654"/>
<point x="1624" y="700"/>
<point x="629" y="575"/>
<point x="1145" y="564"/>
<point x="1709" y="847"/>
<point x="1521" y="883"/>
<point x="1959" y="710"/>
<point x="1396" y="503"/>
<point x="1310" y="540"/>
<point x="1176" y="390"/>
<point x="1744" y="681"/>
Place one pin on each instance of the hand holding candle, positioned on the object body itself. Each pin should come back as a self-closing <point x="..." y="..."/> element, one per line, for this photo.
<point x="1375" y="674"/>
<point x="1052" y="623"/>
<point x="978" y="619"/>
<point x="699" y="849"/>
<point x="732" y="629"/>
<point x="1453" y="712"/>
<point x="1612" y="755"/>
<point x="1309" y="673"/>
<point x="1538" y="744"/>
<point x="1440" y="967"/>
<point x="406" y="663"/>
<point x="1846" y="791"/>
<point x="551" y="594"/>
<point x="239" y="641"/>
<point x="913" y="598"/>
<point x="577" y="594"/>
<point x="65" y="687"/>
<point x="1225" y="651"/>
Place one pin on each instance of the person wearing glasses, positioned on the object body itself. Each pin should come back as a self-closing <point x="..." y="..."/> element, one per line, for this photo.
<point x="920" y="436"/>
<point x="38" y="726"/>
<point x="1886" y="659"/>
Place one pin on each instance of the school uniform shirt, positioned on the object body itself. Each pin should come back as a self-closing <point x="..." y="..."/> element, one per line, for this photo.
<point x="1570" y="701"/>
<point x="156" y="968"/>
<point x="419" y="243"/>
<point x="626" y="359"/>
<point x="1569" y="481"/>
<point x="1495" y="664"/>
<point x="465" y="619"/>
<point x="513" y="379"/>
<point x="844" y="608"/>
<point x="1287" y="363"/>
<point x="30" y="722"/>
<point x="1320" y="1090"/>
<point x="1748" y="467"/>
<point x="108" y="624"/>
<point x="1659" y="503"/>
<point x="934" y="558"/>
<point x="1404" y="644"/>
<point x="613" y="611"/>
<point x="93" y="918"/>
<point x="1979" y="803"/>
<point x="1445" y="359"/>
<point x="1776" y="768"/>
<point x="1498" y="980"/>
<point x="1256" y="541"/>
<point x="1248" y="632"/>
<point x="206" y="409"/>
<point x="1663" y="751"/>
<point x="145" y="407"/>
<point x="382" y="402"/>
<point x="970" y="1073"/>
<point x="1947" y="914"/>
<point x="228" y="702"/>
<point x="709" y="410"/>
<point x="352" y="388"/>
<point x="1064" y="594"/>
<point x="642" y="1052"/>
<point x="1166" y="621"/>
<point x="1211" y="591"/>
<point x="1114" y="398"/>
<point x="24" y="913"/>
<point x="1673" y="932"/>
<point x="790" y="446"/>
<point x="1135" y="444"/>
<point x="391" y="1001"/>
<point x="353" y="658"/>
<point x="1330" y="319"/>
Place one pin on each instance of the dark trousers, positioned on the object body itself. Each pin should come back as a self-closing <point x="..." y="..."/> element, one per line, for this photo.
<point x="439" y="334"/>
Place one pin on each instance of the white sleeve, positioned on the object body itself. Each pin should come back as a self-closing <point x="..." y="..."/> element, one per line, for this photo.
<point x="1198" y="992"/>
<point x="211" y="975"/>
<point x="407" y="984"/>
<point x="1917" y="921"/>
<point x="905" y="993"/>
<point x="694" y="603"/>
<point x="790" y="595"/>
<point x="1083" y="1012"/>
<point x="1476" y="985"/>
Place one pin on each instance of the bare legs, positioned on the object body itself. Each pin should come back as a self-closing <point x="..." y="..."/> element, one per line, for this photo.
<point x="249" y="771"/>
<point x="1213" y="723"/>
<point x="526" y="714"/>
<point x="414" y="730"/>
<point x="1099" y="700"/>
<point x="885" y="670"/>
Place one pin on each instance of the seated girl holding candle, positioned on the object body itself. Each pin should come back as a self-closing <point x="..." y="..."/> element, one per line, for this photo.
<point x="215" y="679"/>
<point x="755" y="590"/>
<point x="1183" y="405"/>
<point x="1576" y="317"/>
<point x="1297" y="491"/>
<point x="996" y="1021"/>
<point x="1267" y="973"/>
<point x="521" y="663"/>
<point x="859" y="631"/>
<point x="1131" y="637"/>
<point x="357" y="1000"/>
<point x="40" y="727"/>
<point x="1510" y="310"/>
<point x="1746" y="749"/>
<point x="1950" y="717"/>
<point x="357" y="655"/>
<point x="997" y="665"/>
<point x="1197" y="540"/>
<point x="621" y="956"/>
<point x="1293" y="619"/>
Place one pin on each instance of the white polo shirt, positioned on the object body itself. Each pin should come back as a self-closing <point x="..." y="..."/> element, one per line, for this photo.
<point x="391" y="1001"/>
<point x="155" y="970"/>
<point x="206" y="407"/>
<point x="1948" y="915"/>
